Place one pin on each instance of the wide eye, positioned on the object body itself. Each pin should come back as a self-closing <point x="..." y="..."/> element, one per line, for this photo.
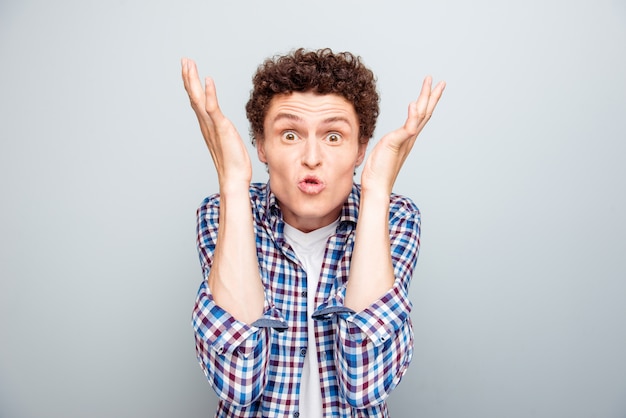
<point x="290" y="136"/>
<point x="333" y="138"/>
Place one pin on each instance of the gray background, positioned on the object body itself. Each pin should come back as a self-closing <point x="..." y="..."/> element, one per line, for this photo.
<point x="519" y="296"/>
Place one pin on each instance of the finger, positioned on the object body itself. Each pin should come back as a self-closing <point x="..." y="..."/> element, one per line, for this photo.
<point x="418" y="108"/>
<point x="434" y="97"/>
<point x="413" y="120"/>
<point x="427" y="107"/>
<point x="424" y="97"/>
<point x="210" y="96"/>
<point x="412" y="129"/>
<point x="211" y="104"/>
<point x="192" y="83"/>
<point x="185" y="72"/>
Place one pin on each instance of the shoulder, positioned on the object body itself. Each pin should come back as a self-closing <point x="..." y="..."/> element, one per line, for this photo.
<point x="402" y="207"/>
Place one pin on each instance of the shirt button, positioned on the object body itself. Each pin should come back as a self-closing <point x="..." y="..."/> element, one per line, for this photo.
<point x="304" y="293"/>
<point x="296" y="414"/>
<point x="302" y="353"/>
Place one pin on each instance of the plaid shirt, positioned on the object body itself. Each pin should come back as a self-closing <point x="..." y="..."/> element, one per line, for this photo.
<point x="255" y="368"/>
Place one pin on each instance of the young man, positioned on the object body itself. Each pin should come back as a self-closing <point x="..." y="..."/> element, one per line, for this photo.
<point x="304" y="309"/>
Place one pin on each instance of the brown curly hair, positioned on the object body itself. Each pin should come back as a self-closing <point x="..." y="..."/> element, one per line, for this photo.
<point x="321" y="71"/>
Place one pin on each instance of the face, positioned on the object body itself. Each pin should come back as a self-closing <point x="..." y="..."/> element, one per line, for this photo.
<point x="311" y="147"/>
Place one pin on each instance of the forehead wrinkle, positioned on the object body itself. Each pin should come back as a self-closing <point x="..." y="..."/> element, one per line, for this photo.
<point x="327" y="121"/>
<point x="288" y="116"/>
<point x="333" y="119"/>
<point x="308" y="108"/>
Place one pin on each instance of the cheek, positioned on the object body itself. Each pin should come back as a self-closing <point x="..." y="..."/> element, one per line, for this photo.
<point x="346" y="174"/>
<point x="279" y="167"/>
<point x="352" y="161"/>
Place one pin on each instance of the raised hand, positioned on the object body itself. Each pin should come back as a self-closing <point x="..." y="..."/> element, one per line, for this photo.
<point x="386" y="159"/>
<point x="234" y="276"/>
<point x="372" y="270"/>
<point x="227" y="149"/>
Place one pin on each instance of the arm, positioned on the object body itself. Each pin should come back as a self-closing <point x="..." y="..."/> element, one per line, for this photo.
<point x="233" y="355"/>
<point x="375" y="344"/>
<point x="232" y="351"/>
<point x="234" y="278"/>
<point x="371" y="268"/>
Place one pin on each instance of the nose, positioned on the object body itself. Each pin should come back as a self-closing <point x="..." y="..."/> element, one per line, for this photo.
<point x="311" y="153"/>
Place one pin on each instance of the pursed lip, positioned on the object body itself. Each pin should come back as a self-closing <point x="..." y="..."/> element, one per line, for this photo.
<point x="311" y="185"/>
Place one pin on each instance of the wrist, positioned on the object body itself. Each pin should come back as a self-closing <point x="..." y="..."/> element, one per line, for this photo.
<point x="234" y="189"/>
<point x="376" y="197"/>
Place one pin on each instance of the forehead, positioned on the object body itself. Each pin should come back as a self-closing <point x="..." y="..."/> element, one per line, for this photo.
<point x="310" y="107"/>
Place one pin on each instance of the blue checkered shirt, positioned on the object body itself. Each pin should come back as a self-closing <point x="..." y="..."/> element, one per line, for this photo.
<point x="255" y="368"/>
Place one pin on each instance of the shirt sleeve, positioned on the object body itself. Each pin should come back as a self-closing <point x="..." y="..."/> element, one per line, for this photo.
<point x="374" y="347"/>
<point x="233" y="355"/>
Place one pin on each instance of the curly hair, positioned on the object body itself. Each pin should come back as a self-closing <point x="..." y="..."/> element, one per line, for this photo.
<point x="321" y="71"/>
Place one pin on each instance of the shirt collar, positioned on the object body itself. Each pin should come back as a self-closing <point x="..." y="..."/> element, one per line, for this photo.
<point x="350" y="209"/>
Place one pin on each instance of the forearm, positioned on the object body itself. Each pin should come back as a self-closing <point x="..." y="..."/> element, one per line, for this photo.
<point x="234" y="278"/>
<point x="371" y="269"/>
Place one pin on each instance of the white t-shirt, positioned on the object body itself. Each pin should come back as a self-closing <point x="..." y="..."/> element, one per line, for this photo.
<point x="309" y="248"/>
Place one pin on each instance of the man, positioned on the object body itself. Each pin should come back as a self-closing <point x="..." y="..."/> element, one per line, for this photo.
<point x="304" y="309"/>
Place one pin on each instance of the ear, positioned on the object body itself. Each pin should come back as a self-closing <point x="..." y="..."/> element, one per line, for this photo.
<point x="361" y="153"/>
<point x="260" y="151"/>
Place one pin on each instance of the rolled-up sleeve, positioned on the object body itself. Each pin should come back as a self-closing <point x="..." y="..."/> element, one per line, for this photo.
<point x="374" y="347"/>
<point x="233" y="355"/>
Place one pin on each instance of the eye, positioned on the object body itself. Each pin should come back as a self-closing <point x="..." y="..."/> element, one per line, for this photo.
<point x="333" y="138"/>
<point x="290" y="136"/>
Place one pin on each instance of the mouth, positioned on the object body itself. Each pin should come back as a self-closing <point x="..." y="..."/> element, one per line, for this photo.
<point x="311" y="185"/>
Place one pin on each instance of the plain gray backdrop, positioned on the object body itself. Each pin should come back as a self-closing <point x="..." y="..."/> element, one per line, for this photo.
<point x="520" y="291"/>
